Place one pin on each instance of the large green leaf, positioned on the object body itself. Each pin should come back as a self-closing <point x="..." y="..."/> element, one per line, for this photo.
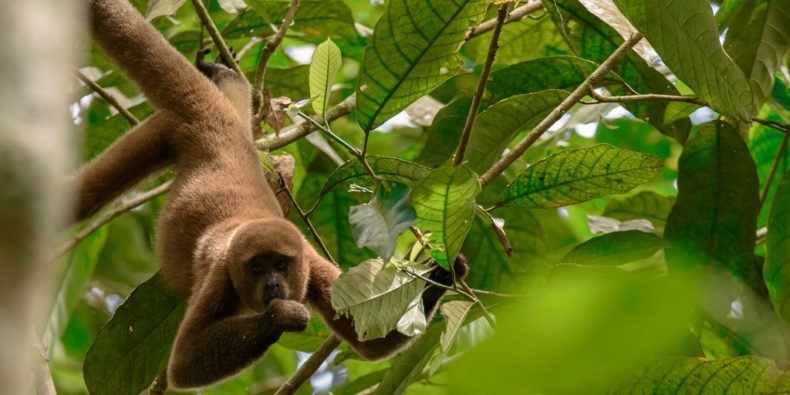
<point x="445" y="133"/>
<point x="685" y="34"/>
<point x="307" y="340"/>
<point x="777" y="251"/>
<point x="323" y="71"/>
<point x="376" y="295"/>
<point x="743" y="375"/>
<point x="527" y="39"/>
<point x="314" y="18"/>
<point x="551" y="72"/>
<point x="764" y="144"/>
<point x="134" y="347"/>
<point x="492" y="269"/>
<point x="454" y="312"/>
<point x="578" y="175"/>
<point x="643" y="205"/>
<point x="715" y="215"/>
<point x="757" y="40"/>
<point x="445" y="205"/>
<point x="413" y="50"/>
<point x="288" y="82"/>
<point x="500" y="123"/>
<point x="388" y="168"/>
<point x="615" y="248"/>
<point x="592" y="39"/>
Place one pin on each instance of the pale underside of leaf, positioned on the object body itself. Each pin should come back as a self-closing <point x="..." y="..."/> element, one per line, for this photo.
<point x="325" y="65"/>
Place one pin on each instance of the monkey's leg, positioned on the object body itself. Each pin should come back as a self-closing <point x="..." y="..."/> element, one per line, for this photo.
<point x="134" y="156"/>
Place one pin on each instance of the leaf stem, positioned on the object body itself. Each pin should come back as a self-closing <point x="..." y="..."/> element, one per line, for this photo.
<point x="648" y="97"/>
<point x="272" y="45"/>
<point x="544" y="125"/>
<point x="205" y="18"/>
<point x="481" y="86"/>
<point x="772" y="174"/>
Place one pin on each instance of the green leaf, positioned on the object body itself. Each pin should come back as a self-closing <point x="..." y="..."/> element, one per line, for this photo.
<point x="134" y="347"/>
<point x="76" y="270"/>
<point x="99" y="136"/>
<point x="376" y="295"/>
<point x="500" y="123"/>
<point x="777" y="251"/>
<point x="307" y="340"/>
<point x="764" y="144"/>
<point x="594" y="40"/>
<point x="323" y="71"/>
<point x="157" y="8"/>
<point x="378" y="224"/>
<point x="551" y="72"/>
<point x="314" y="18"/>
<point x="578" y="175"/>
<point x="643" y="205"/>
<point x="742" y="375"/>
<point x="413" y="50"/>
<point x="388" y="168"/>
<point x="715" y="215"/>
<point x="526" y="39"/>
<point x="615" y="248"/>
<point x="757" y="40"/>
<point x="411" y="363"/>
<point x="529" y="265"/>
<point x="685" y="34"/>
<point x="288" y="82"/>
<point x="454" y="313"/>
<point x="445" y="205"/>
<point x="444" y="133"/>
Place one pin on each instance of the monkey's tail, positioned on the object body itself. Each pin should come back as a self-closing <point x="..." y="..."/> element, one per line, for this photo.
<point x="167" y="78"/>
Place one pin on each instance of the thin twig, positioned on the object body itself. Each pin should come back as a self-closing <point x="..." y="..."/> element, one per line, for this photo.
<point x="306" y="220"/>
<point x="113" y="212"/>
<point x="309" y="366"/>
<point x="649" y="97"/>
<point x="772" y="125"/>
<point x="205" y="18"/>
<point x="516" y="15"/>
<point x="487" y="314"/>
<point x="351" y="149"/>
<point x="779" y="156"/>
<point x="581" y="91"/>
<point x="272" y="45"/>
<point x="109" y="98"/>
<point x="159" y="386"/>
<point x="481" y="86"/>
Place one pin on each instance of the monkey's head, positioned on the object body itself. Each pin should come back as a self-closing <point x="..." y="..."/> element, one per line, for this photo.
<point x="266" y="262"/>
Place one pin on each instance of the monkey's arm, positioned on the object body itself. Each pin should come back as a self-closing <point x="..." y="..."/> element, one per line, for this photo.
<point x="324" y="273"/>
<point x="134" y="156"/>
<point x="213" y="343"/>
<point x="167" y="78"/>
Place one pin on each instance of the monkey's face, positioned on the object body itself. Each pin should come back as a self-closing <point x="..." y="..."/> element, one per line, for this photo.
<point x="267" y="263"/>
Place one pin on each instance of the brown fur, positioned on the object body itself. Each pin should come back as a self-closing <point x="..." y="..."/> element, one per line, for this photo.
<point x="222" y="238"/>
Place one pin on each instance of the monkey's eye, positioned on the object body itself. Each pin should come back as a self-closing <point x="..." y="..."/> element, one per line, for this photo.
<point x="256" y="266"/>
<point x="281" y="264"/>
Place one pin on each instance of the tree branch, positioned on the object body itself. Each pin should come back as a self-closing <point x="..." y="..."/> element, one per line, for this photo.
<point x="205" y="18"/>
<point x="581" y="91"/>
<point x="779" y="155"/>
<point x="516" y="15"/>
<point x="649" y="97"/>
<point x="115" y="211"/>
<point x="309" y="366"/>
<point x="272" y="45"/>
<point x="481" y="86"/>
<point x="110" y="99"/>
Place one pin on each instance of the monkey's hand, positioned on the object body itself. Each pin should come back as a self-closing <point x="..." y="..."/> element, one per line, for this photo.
<point x="288" y="315"/>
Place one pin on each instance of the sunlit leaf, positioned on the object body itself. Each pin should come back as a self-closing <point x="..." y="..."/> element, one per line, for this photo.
<point x="232" y="6"/>
<point x="715" y="215"/>
<point x="376" y="295"/>
<point x="314" y="18"/>
<point x="685" y="34"/>
<point x="412" y="51"/>
<point x="134" y="347"/>
<point x="158" y="8"/>
<point x="454" y="312"/>
<point x="323" y="70"/>
<point x="445" y="205"/>
<point x="527" y="39"/>
<point x="444" y="133"/>
<point x="413" y="322"/>
<point x="501" y="122"/>
<point x="578" y="175"/>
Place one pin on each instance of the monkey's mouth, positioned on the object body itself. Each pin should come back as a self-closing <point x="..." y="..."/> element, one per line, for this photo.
<point x="270" y="295"/>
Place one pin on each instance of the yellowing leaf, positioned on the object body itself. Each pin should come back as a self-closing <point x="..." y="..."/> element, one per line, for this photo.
<point x="324" y="68"/>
